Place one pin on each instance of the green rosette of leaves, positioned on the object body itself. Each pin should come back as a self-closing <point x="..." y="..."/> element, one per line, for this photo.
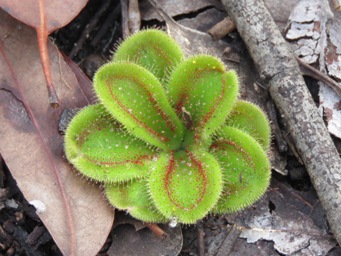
<point x="169" y="138"/>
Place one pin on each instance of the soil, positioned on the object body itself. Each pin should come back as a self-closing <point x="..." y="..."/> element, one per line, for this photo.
<point x="89" y="40"/>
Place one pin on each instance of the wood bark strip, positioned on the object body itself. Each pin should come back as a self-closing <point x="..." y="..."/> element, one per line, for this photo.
<point x="279" y="69"/>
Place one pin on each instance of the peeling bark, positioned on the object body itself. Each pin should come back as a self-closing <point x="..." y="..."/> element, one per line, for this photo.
<point x="279" y="69"/>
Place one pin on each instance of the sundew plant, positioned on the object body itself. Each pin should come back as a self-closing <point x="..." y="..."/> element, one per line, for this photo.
<point x="169" y="138"/>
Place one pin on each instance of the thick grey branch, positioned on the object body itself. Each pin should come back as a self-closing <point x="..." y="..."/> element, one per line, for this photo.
<point x="278" y="66"/>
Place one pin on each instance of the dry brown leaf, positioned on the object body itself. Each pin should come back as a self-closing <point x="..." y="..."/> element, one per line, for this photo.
<point x="131" y="238"/>
<point x="73" y="210"/>
<point x="45" y="17"/>
<point x="57" y="13"/>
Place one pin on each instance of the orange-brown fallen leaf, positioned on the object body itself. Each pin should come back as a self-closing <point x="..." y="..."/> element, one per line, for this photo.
<point x="45" y="16"/>
<point x="74" y="211"/>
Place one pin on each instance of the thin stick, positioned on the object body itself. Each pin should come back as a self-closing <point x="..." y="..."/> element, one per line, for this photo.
<point x="200" y="238"/>
<point x="222" y="28"/>
<point x="318" y="75"/>
<point x="157" y="230"/>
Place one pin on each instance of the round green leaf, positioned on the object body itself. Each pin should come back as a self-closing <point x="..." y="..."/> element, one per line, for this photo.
<point x="245" y="168"/>
<point x="152" y="49"/>
<point x="251" y="119"/>
<point x="137" y="100"/>
<point x="201" y="89"/>
<point x="101" y="150"/>
<point x="133" y="197"/>
<point x="185" y="185"/>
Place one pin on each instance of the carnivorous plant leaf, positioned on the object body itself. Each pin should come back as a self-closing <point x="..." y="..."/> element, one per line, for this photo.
<point x="250" y="118"/>
<point x="201" y="86"/>
<point x="133" y="197"/>
<point x="245" y="168"/>
<point x="136" y="99"/>
<point x="98" y="147"/>
<point x="153" y="50"/>
<point x="185" y="184"/>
